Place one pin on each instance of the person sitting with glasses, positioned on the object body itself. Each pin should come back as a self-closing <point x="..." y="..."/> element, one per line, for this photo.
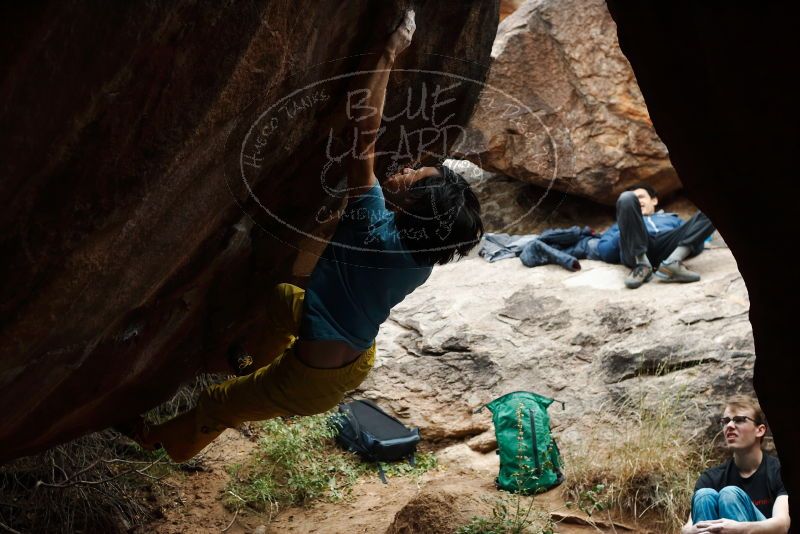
<point x="746" y="493"/>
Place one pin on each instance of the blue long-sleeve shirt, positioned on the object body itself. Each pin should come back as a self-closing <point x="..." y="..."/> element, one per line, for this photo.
<point x="608" y="246"/>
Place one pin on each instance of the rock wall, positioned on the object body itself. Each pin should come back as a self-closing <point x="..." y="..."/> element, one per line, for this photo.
<point x="162" y="167"/>
<point x="562" y="108"/>
<point x="477" y="330"/>
<point x="514" y="207"/>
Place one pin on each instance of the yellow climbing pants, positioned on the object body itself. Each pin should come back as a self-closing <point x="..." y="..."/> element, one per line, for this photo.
<point x="285" y="386"/>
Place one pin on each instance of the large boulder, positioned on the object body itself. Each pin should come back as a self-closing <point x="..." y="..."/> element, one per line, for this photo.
<point x="562" y="108"/>
<point x="477" y="330"/>
<point x="163" y="163"/>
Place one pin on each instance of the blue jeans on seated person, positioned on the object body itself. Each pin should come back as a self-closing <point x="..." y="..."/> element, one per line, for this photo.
<point x="731" y="502"/>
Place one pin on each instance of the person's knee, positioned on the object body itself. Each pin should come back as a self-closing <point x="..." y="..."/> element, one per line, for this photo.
<point x="705" y="495"/>
<point x="286" y="295"/>
<point x="628" y="200"/>
<point x="608" y="251"/>
<point x="732" y="495"/>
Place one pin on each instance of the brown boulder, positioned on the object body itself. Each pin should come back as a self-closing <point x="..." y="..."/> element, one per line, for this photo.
<point x="562" y="108"/>
<point x="133" y="230"/>
<point x="507" y="7"/>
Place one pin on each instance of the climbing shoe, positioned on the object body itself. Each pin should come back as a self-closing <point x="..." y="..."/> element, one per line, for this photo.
<point x="638" y="276"/>
<point x="676" y="271"/>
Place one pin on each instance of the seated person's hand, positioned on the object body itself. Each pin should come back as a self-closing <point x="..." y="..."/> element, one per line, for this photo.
<point x="690" y="529"/>
<point x="722" y="526"/>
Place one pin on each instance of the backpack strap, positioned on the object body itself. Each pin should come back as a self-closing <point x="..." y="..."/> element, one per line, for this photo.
<point x="382" y="473"/>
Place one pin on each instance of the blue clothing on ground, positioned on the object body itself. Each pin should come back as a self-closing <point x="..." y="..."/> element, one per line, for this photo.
<point x="496" y="247"/>
<point x="731" y="502"/>
<point x="363" y="273"/>
<point x="563" y="246"/>
<point x="607" y="248"/>
<point x="538" y="253"/>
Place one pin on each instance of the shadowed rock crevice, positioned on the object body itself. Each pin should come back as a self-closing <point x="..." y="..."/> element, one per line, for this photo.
<point x="623" y="366"/>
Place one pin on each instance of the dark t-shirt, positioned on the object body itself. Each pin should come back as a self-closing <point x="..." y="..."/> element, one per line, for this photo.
<point x="763" y="486"/>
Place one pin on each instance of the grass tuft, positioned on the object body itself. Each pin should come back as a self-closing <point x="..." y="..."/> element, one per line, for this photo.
<point x="648" y="472"/>
<point x="297" y="462"/>
<point x="511" y="515"/>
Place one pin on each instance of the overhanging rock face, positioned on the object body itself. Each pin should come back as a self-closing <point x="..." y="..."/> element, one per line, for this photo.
<point x="164" y="164"/>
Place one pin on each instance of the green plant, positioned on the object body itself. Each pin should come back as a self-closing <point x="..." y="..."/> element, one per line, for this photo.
<point x="591" y="500"/>
<point x="295" y="463"/>
<point x="512" y="515"/>
<point x="648" y="471"/>
<point x="298" y="462"/>
<point x="423" y="462"/>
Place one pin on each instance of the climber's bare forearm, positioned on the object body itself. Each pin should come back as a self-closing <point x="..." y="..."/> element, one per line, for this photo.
<point x="365" y="100"/>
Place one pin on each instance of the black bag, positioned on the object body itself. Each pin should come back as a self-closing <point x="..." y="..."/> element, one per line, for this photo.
<point x="365" y="429"/>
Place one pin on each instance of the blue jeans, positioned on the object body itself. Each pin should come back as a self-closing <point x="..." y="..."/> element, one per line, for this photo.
<point x="731" y="502"/>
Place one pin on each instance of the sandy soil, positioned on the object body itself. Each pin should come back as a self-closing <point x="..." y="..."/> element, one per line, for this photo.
<point x="438" y="502"/>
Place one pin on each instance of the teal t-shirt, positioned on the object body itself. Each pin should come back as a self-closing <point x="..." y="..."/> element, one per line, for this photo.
<point x="363" y="273"/>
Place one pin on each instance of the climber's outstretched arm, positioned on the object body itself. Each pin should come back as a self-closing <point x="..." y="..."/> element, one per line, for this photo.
<point x="365" y="98"/>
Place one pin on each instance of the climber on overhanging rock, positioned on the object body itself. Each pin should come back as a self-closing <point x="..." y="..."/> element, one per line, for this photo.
<point x="322" y="340"/>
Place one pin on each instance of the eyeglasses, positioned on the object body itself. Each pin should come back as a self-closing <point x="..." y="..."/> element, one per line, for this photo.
<point x="737" y="420"/>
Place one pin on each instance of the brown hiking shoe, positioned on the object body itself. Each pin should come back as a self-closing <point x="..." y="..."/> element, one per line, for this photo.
<point x="676" y="272"/>
<point x="638" y="276"/>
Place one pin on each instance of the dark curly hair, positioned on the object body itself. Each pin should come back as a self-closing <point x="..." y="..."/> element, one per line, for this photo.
<point x="647" y="187"/>
<point x="440" y="219"/>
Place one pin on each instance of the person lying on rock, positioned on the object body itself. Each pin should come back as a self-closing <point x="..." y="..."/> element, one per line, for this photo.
<point x="321" y="342"/>
<point x="744" y="494"/>
<point x="644" y="239"/>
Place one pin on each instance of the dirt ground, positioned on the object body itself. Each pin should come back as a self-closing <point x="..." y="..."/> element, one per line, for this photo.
<point x="439" y="502"/>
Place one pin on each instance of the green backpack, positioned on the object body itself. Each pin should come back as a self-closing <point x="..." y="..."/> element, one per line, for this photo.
<point x="529" y="458"/>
